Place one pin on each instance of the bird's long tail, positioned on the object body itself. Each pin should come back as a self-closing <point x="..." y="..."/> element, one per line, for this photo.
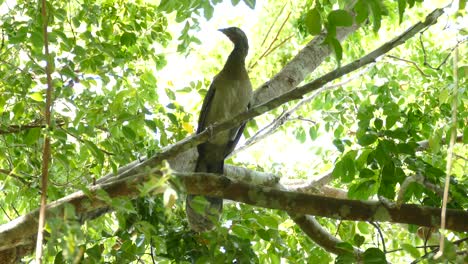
<point x="204" y="211"/>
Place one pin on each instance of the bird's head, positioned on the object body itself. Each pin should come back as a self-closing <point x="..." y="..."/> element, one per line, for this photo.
<point x="236" y="35"/>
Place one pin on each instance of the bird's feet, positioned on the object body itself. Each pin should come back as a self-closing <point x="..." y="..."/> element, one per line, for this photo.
<point x="210" y="130"/>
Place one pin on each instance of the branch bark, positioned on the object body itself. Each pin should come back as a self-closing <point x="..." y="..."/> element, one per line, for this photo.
<point x="18" y="232"/>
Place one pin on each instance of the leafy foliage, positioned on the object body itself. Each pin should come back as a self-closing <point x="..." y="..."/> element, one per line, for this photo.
<point x="111" y="108"/>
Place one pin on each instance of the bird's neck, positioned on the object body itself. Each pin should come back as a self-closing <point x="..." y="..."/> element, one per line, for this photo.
<point x="236" y="60"/>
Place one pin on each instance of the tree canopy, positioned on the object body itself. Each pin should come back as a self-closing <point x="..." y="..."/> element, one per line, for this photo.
<point x="355" y="150"/>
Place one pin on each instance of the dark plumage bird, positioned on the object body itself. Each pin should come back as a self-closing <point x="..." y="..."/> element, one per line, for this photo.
<point x="229" y="94"/>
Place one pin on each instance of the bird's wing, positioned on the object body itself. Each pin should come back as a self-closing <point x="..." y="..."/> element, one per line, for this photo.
<point x="232" y="143"/>
<point x="206" y="107"/>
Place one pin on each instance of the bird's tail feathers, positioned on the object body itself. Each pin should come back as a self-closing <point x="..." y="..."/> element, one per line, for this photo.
<point x="203" y="212"/>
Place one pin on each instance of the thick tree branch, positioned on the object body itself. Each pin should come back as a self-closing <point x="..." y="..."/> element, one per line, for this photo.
<point x="322" y="237"/>
<point x="21" y="229"/>
<point x="301" y="203"/>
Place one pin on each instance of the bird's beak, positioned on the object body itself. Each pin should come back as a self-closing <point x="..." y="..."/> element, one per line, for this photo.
<point x="222" y="30"/>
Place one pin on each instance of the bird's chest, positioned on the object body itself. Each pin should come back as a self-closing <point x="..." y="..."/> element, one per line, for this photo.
<point x="229" y="100"/>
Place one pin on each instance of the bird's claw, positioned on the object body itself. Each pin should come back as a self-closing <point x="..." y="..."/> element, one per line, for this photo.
<point x="210" y="130"/>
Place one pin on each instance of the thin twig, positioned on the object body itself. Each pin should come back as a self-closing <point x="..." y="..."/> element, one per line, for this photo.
<point x="4" y="212"/>
<point x="380" y="235"/>
<point x="411" y="62"/>
<point x="448" y="169"/>
<point x="269" y="49"/>
<point x="279" y="31"/>
<point x="83" y="141"/>
<point x="446" y="57"/>
<point x="278" y="45"/>
<point x="46" y="151"/>
<point x="272" y="24"/>
<point x="15" y="176"/>
<point x="303" y="119"/>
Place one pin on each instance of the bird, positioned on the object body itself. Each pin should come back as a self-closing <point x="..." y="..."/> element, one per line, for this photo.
<point x="229" y="94"/>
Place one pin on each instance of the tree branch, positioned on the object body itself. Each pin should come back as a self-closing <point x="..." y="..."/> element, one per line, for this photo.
<point x="16" y="232"/>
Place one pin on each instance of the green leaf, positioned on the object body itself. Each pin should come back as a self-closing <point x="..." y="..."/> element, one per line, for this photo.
<point x="208" y="10"/>
<point x="173" y="118"/>
<point x="376" y="10"/>
<point x="465" y="135"/>
<point x="2" y="103"/>
<point x="337" y="49"/>
<point x="363" y="227"/>
<point x="122" y="205"/>
<point x="461" y="4"/>
<point x="444" y="96"/>
<point x="94" y="252"/>
<point x="59" y="259"/>
<point x="366" y="173"/>
<point x="362" y="11"/>
<point x="32" y="135"/>
<point x="414" y="252"/>
<point x="300" y="134"/>
<point x="313" y="22"/>
<point x="392" y="111"/>
<point x="170" y="94"/>
<point x="405" y="148"/>
<point x="97" y="153"/>
<point x="361" y="161"/>
<point x="242" y="232"/>
<point x="129" y="133"/>
<point x="348" y="169"/>
<point x="345" y="258"/>
<point x="339" y="144"/>
<point x="378" y="123"/>
<point x="19" y="36"/>
<point x="37" y="39"/>
<point x="313" y="133"/>
<point x="235" y="2"/>
<point x="37" y="97"/>
<point x="401" y="9"/>
<point x="374" y="256"/>
<point x="338" y="131"/>
<point x="381" y="155"/>
<point x="250" y="3"/>
<point x="128" y="39"/>
<point x="386" y="190"/>
<point x="268" y="221"/>
<point x="399" y="133"/>
<point x="338" y="170"/>
<point x="362" y="190"/>
<point x="345" y="246"/>
<point x="388" y="173"/>
<point x="340" y="18"/>
<point x="367" y="139"/>
<point x="365" y="112"/>
<point x="18" y="109"/>
<point x="358" y="240"/>
<point x="128" y="251"/>
<point x="263" y="234"/>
